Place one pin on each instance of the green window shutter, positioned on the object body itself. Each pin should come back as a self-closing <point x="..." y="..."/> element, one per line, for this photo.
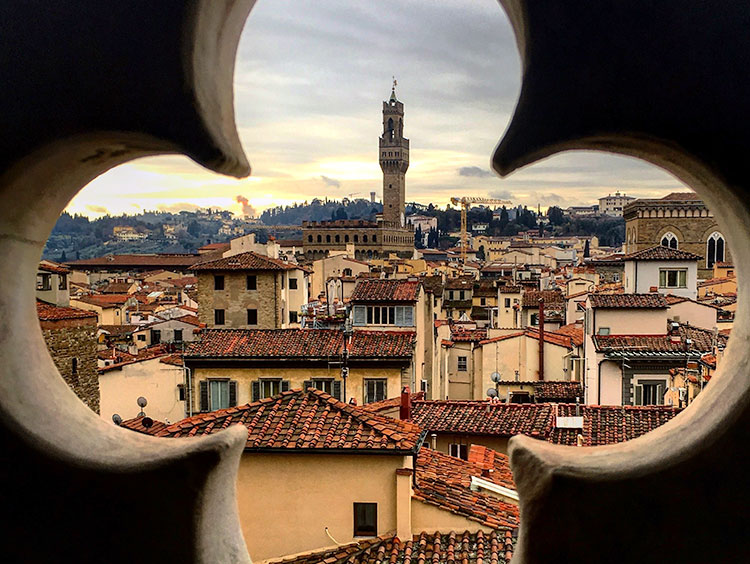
<point x="232" y="393"/>
<point x="307" y="384"/>
<point x="662" y="278"/>
<point x="408" y="316"/>
<point x="203" y="395"/>
<point x="337" y="390"/>
<point x="660" y="394"/>
<point x="256" y="390"/>
<point x="683" y="279"/>
<point x="638" y="395"/>
<point x="285" y="385"/>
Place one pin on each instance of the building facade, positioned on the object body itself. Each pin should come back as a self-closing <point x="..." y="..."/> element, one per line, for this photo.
<point x="679" y="221"/>
<point x="390" y="233"/>
<point x="614" y="204"/>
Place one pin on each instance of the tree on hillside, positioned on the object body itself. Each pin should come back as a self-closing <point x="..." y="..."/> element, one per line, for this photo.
<point x="418" y="238"/>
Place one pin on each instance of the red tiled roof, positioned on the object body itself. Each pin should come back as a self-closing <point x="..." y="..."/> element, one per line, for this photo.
<point x="482" y="417"/>
<point x="309" y="420"/>
<point x="299" y="343"/>
<point x="50" y="312"/>
<point x="628" y="301"/>
<point x="531" y="298"/>
<point x="149" y="353"/>
<point x="390" y="403"/>
<point x="459" y="283"/>
<point x="117" y="288"/>
<point x="688" y="196"/>
<point x="136" y="424"/>
<point x="244" y="261"/>
<point x="563" y="392"/>
<point x="660" y="252"/>
<point x="549" y="337"/>
<point x="445" y="481"/>
<point x="104" y="300"/>
<point x="458" y="333"/>
<point x="385" y="290"/>
<point x="495" y="547"/>
<point x="607" y="425"/>
<point x="189" y="319"/>
<point x="139" y="261"/>
<point x="118" y="330"/>
<point x="574" y="331"/>
<point x="55" y="268"/>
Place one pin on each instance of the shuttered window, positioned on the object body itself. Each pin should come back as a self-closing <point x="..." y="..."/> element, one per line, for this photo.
<point x="217" y="394"/>
<point x="268" y="387"/>
<point x="360" y="315"/>
<point x="327" y="385"/>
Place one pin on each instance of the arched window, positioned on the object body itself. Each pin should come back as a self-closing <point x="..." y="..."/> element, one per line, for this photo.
<point x="715" y="247"/>
<point x="338" y="238"/>
<point x="390" y="128"/>
<point x="319" y="238"/>
<point x="364" y="238"/>
<point x="328" y="238"/>
<point x="669" y="239"/>
<point x="374" y="238"/>
<point x="346" y="238"/>
<point x="356" y="238"/>
<point x="309" y="238"/>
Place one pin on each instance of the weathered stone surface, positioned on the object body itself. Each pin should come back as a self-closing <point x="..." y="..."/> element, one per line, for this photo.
<point x="72" y="346"/>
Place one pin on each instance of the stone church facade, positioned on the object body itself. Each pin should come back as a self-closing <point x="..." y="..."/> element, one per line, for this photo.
<point x="680" y="221"/>
<point x="389" y="233"/>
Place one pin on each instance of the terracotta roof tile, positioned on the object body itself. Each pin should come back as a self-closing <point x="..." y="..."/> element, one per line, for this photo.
<point x="606" y="425"/>
<point x="53" y="267"/>
<point x="495" y="547"/>
<point x="136" y="424"/>
<point x="482" y="417"/>
<point x="385" y="290"/>
<point x="308" y="420"/>
<point x="299" y="343"/>
<point x="139" y="261"/>
<point x="50" y="312"/>
<point x="660" y="252"/>
<point x="445" y="481"/>
<point x="574" y="331"/>
<point x="562" y="392"/>
<point x="244" y="261"/>
<point x="104" y="300"/>
<point x="628" y="301"/>
<point x="551" y="297"/>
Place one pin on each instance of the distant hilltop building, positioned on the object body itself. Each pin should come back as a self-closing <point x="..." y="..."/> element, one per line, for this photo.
<point x="680" y="221"/>
<point x="127" y="233"/>
<point x="390" y="233"/>
<point x="614" y="204"/>
<point x="585" y="211"/>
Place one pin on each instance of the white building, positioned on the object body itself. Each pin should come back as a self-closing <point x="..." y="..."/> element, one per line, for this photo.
<point x="613" y="204"/>
<point x="662" y="269"/>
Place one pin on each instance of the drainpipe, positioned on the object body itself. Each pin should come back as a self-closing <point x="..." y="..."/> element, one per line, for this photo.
<point x="541" y="340"/>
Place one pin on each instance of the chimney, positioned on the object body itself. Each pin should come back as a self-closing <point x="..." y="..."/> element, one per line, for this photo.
<point x="404" y="412"/>
<point x="433" y="441"/>
<point x="541" y="340"/>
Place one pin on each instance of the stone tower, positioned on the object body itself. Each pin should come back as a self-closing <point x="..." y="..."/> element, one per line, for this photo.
<point x="394" y="161"/>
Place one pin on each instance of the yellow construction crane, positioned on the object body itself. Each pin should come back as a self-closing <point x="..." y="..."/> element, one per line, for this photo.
<point x="466" y="202"/>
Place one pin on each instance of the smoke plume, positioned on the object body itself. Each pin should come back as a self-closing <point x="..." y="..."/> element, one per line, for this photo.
<point x="247" y="209"/>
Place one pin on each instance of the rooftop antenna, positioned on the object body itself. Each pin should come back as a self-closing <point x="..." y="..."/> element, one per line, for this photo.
<point x="142" y="402"/>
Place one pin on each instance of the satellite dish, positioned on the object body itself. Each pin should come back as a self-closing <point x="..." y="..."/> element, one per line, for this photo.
<point x="116" y="419"/>
<point x="495" y="377"/>
<point x="492" y="392"/>
<point x="147" y="422"/>
<point x="142" y="402"/>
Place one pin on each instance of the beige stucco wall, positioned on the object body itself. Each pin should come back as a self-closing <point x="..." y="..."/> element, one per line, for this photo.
<point x="426" y="517"/>
<point x="105" y="316"/>
<point x="611" y="383"/>
<point x="323" y="269"/>
<point x="154" y="380"/>
<point x="286" y="501"/>
<point x="696" y="314"/>
<point x="635" y="321"/>
<point x="297" y="376"/>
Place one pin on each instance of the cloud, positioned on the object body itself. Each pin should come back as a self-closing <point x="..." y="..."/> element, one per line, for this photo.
<point x="474" y="171"/>
<point x="97" y="209"/>
<point x="178" y="207"/>
<point x="501" y="194"/>
<point x="328" y="181"/>
<point x="546" y="198"/>
<point x="247" y="209"/>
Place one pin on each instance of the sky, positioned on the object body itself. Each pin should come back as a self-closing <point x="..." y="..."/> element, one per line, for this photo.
<point x="310" y="79"/>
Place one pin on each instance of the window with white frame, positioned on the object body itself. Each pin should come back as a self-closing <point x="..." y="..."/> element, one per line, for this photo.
<point x="217" y="394"/>
<point x="715" y="249"/>
<point x="459" y="451"/>
<point x="673" y="278"/>
<point x="268" y="387"/>
<point x="649" y="392"/>
<point x="44" y="282"/>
